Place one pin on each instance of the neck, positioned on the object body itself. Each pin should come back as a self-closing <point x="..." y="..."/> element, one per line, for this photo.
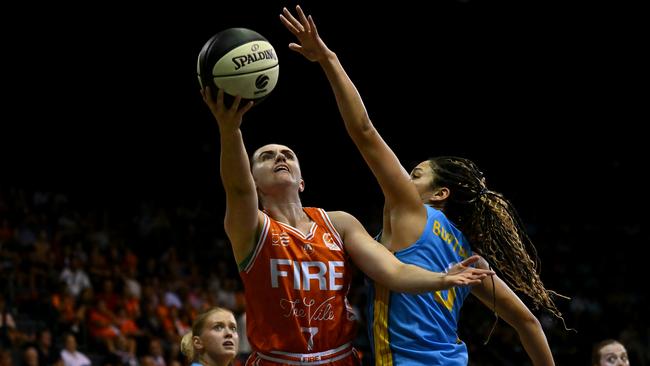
<point x="287" y="212"/>
<point x="223" y="360"/>
<point x="284" y="206"/>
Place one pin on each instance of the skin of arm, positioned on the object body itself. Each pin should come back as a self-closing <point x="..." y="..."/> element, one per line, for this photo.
<point x="407" y="213"/>
<point x="510" y="307"/>
<point x="386" y="230"/>
<point x="243" y="219"/>
<point x="383" y="267"/>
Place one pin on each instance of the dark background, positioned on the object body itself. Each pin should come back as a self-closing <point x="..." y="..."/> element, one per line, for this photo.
<point x="102" y="103"/>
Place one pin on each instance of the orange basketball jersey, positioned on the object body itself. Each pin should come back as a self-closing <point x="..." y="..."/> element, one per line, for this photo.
<point x="296" y="286"/>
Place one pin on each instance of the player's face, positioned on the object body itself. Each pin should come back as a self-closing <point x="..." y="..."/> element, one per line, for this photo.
<point x="613" y="354"/>
<point x="219" y="337"/>
<point x="422" y="178"/>
<point x="275" y="163"/>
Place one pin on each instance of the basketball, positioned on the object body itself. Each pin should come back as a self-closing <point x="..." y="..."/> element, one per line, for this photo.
<point x="241" y="62"/>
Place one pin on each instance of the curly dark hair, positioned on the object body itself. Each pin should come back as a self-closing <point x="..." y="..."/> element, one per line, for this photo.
<point x="492" y="226"/>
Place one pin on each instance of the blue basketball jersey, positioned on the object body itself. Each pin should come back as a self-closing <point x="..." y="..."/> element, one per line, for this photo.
<point x="407" y="329"/>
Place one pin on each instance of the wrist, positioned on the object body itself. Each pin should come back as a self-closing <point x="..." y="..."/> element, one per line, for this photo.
<point x="228" y="132"/>
<point x="328" y="59"/>
<point x="444" y="281"/>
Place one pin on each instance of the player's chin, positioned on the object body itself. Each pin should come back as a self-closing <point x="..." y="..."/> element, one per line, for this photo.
<point x="229" y="352"/>
<point x="228" y="349"/>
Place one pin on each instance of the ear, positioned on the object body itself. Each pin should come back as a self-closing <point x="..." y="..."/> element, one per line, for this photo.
<point x="301" y="186"/>
<point x="440" y="195"/>
<point x="196" y="342"/>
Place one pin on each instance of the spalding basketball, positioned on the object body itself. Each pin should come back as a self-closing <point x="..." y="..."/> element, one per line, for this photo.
<point x="241" y="62"/>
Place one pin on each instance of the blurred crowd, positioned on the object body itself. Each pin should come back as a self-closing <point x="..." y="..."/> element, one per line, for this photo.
<point x="119" y="284"/>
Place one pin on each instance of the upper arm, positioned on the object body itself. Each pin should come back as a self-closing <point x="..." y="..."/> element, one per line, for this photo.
<point x="407" y="213"/>
<point x="370" y="256"/>
<point x="391" y="175"/>
<point x="386" y="229"/>
<point x="243" y="218"/>
<point x="243" y="222"/>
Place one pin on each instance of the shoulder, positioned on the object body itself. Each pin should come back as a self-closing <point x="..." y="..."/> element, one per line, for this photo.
<point x="342" y="220"/>
<point x="340" y="215"/>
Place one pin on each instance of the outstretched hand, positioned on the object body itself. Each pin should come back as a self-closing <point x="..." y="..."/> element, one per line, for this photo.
<point x="462" y="274"/>
<point x="228" y="119"/>
<point x="311" y="45"/>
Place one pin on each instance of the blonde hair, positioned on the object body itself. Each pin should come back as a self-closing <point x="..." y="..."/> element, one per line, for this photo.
<point x="187" y="344"/>
<point x="187" y="348"/>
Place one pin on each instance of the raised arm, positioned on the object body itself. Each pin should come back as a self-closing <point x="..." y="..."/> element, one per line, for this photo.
<point x="510" y="307"/>
<point x="384" y="268"/>
<point x="399" y="192"/>
<point x="242" y="219"/>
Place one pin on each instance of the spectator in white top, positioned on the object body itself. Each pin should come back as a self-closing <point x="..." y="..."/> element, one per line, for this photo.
<point x="70" y="355"/>
<point x="75" y="278"/>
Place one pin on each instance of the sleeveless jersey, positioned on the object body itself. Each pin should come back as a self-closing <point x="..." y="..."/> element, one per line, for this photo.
<point x="408" y="329"/>
<point x="296" y="286"/>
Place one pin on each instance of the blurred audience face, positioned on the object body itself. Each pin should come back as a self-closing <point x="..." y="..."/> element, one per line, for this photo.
<point x="70" y="343"/>
<point x="613" y="354"/>
<point x="5" y="358"/>
<point x="30" y="357"/>
<point x="45" y="338"/>
<point x="147" y="361"/>
<point x="155" y="347"/>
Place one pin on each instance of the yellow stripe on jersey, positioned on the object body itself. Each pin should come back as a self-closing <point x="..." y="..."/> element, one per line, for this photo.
<point x="383" y="354"/>
<point x="449" y="301"/>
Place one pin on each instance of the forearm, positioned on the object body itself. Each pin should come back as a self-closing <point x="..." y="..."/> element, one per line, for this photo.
<point x="347" y="97"/>
<point x="413" y="279"/>
<point x="235" y="169"/>
<point x="510" y="307"/>
<point x="534" y="341"/>
<point x="381" y="265"/>
<point x="385" y="165"/>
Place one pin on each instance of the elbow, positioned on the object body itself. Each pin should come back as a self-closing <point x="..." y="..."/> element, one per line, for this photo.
<point x="528" y="324"/>
<point x="390" y="279"/>
<point x="365" y="129"/>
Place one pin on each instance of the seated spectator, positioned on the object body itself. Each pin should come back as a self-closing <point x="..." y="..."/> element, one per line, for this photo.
<point x="70" y="355"/>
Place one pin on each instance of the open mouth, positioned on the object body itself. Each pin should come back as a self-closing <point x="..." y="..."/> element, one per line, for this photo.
<point x="281" y="167"/>
<point x="228" y="344"/>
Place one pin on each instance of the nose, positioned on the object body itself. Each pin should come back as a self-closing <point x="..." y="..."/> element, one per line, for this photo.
<point x="280" y="157"/>
<point x="229" y="333"/>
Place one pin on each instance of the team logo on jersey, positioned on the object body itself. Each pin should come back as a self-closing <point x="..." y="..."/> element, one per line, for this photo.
<point x="307" y="248"/>
<point x="280" y="239"/>
<point x="329" y="242"/>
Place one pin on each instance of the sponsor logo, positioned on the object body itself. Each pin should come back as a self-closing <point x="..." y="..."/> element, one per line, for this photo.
<point x="251" y="58"/>
<point x="329" y="242"/>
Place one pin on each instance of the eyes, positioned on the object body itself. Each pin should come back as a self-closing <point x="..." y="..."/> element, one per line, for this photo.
<point x="220" y="327"/>
<point x="416" y="173"/>
<point x="269" y="155"/>
<point x="613" y="358"/>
